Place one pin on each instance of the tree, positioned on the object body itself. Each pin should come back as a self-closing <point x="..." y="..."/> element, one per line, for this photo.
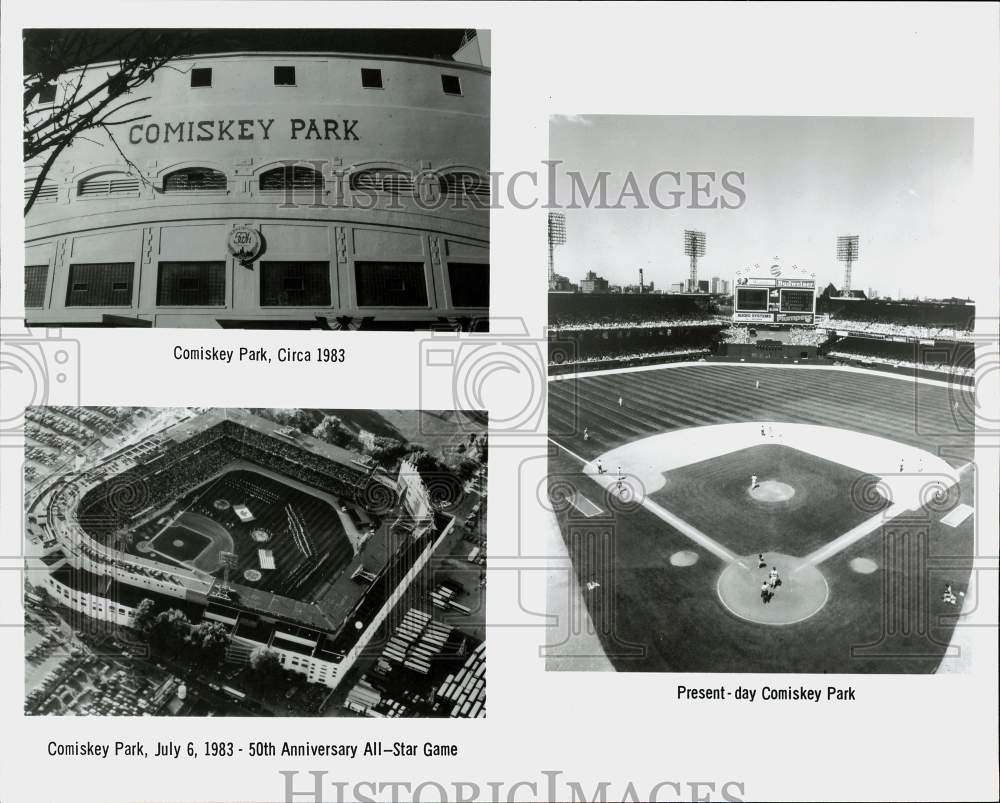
<point x="327" y="429"/>
<point x="170" y="630"/>
<point x="389" y="455"/>
<point x="70" y="60"/>
<point x="427" y="464"/>
<point x="210" y="639"/>
<point x="266" y="672"/>
<point x="145" y="616"/>
<point x="467" y="469"/>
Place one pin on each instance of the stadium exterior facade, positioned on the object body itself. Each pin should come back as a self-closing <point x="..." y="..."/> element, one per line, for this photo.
<point x="80" y="564"/>
<point x="277" y="190"/>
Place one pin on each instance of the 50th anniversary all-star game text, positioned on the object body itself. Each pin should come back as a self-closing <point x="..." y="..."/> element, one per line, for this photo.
<point x="249" y="749"/>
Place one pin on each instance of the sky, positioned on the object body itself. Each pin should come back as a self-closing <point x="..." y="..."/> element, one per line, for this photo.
<point x="901" y="184"/>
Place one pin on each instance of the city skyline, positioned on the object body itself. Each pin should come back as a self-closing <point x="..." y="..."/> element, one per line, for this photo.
<point x="901" y="184"/>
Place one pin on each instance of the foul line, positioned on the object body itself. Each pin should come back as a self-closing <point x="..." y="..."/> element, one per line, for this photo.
<point x="568" y="451"/>
<point x="691" y="532"/>
<point x="855" y="534"/>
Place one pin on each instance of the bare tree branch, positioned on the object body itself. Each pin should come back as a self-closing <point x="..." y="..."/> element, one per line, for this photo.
<point x="128" y="161"/>
<point x="67" y="58"/>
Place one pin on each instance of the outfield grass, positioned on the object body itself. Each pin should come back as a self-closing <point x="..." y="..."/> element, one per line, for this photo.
<point x="692" y="396"/>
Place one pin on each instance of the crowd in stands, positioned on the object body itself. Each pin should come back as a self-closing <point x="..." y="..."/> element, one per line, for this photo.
<point x="910" y="365"/>
<point x="594" y="311"/>
<point x="73" y="538"/>
<point x="795" y="336"/>
<point x="911" y="319"/>
<point x="619" y="322"/>
<point x="595" y="361"/>
<point x="801" y="336"/>
<point x="609" y="347"/>
<point x="888" y="329"/>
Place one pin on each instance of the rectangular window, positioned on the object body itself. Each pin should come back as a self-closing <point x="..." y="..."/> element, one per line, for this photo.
<point x="390" y="284"/>
<point x="371" y="78"/>
<point x="470" y="284"/>
<point x="47" y="94"/>
<point x="191" y="284"/>
<point x="284" y="76"/>
<point x="201" y="76"/>
<point x="451" y="85"/>
<point x="295" y="284"/>
<point x="35" y="279"/>
<point x="100" y="284"/>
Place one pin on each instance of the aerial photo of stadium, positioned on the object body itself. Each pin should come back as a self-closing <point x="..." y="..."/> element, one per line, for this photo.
<point x="267" y="562"/>
<point x="770" y="470"/>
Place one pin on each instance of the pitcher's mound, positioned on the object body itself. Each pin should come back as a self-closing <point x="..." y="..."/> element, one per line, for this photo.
<point x="802" y="593"/>
<point x="772" y="491"/>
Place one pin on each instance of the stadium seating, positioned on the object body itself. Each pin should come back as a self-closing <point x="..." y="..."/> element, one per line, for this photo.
<point x="919" y="320"/>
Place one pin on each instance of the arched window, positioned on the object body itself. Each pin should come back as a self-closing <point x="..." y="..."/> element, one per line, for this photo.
<point x="467" y="184"/>
<point x="107" y="185"/>
<point x="194" y="179"/>
<point x="48" y="192"/>
<point x="382" y="179"/>
<point x="291" y="177"/>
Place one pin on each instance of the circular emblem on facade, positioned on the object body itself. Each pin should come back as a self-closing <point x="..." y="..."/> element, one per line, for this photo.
<point x="775" y="269"/>
<point x="244" y="243"/>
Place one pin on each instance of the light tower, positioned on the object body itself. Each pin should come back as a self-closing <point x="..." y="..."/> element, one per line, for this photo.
<point x="847" y="252"/>
<point x="228" y="561"/>
<point x="694" y="247"/>
<point x="557" y="236"/>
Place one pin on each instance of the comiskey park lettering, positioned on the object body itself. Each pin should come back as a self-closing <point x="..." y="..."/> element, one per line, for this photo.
<point x="297" y="128"/>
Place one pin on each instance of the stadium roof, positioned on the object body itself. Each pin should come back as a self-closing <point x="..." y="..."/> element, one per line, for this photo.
<point x="187" y="429"/>
<point x="42" y="46"/>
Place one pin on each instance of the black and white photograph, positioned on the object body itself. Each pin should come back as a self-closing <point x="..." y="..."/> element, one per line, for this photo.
<point x="761" y="393"/>
<point x="255" y="562"/>
<point x="257" y="179"/>
<point x="703" y="296"/>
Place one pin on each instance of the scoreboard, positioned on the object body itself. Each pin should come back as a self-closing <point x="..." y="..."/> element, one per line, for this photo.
<point x="770" y="297"/>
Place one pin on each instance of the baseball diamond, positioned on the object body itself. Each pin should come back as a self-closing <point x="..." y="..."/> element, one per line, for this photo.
<point x="752" y="518"/>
